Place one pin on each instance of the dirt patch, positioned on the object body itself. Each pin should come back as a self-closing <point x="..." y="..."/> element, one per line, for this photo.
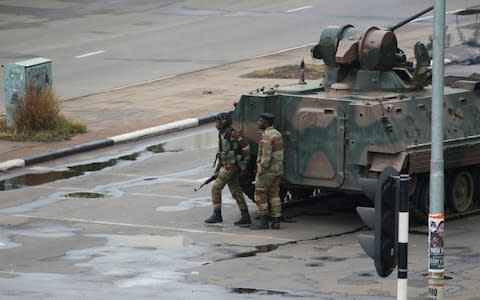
<point x="288" y="71"/>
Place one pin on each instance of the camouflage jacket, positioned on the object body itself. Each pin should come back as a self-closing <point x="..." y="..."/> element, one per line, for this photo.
<point x="270" y="152"/>
<point x="233" y="149"/>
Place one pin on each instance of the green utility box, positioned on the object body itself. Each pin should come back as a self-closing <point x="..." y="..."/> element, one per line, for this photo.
<point x="16" y="77"/>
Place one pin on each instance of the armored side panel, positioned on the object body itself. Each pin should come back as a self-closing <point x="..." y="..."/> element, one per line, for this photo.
<point x="333" y="138"/>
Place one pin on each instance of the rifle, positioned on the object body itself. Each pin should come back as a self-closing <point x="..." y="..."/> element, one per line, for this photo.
<point x="210" y="179"/>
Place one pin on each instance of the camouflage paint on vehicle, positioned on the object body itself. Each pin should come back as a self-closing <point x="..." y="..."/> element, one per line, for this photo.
<point x="371" y="111"/>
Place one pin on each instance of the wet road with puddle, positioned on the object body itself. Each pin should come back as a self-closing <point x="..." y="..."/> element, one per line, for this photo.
<point x="125" y="223"/>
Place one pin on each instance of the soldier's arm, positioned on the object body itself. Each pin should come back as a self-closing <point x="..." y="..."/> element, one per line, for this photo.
<point x="245" y="148"/>
<point x="217" y="161"/>
<point x="266" y="154"/>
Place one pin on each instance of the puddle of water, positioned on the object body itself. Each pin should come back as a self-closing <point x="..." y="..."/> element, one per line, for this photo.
<point x="256" y="291"/>
<point x="156" y="148"/>
<point x="139" y="260"/>
<point x="85" y="195"/>
<point x="259" y="249"/>
<point x="266" y="248"/>
<point x="198" y="141"/>
<point x="177" y="241"/>
<point x="193" y="203"/>
<point x="329" y="258"/>
<point x="205" y="139"/>
<point x="314" y="265"/>
<point x="38" y="229"/>
<point x="34" y="179"/>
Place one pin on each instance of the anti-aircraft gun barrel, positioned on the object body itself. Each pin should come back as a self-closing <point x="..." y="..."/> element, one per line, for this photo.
<point x="400" y="24"/>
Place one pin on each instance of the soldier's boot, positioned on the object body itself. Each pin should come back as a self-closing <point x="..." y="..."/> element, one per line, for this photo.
<point x="216" y="217"/>
<point x="262" y="223"/>
<point x="275" y="223"/>
<point x="244" y="219"/>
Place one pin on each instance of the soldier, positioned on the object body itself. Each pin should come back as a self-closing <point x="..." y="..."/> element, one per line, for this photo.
<point x="233" y="156"/>
<point x="269" y="170"/>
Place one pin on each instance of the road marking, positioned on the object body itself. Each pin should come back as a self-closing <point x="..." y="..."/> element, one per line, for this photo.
<point x="282" y="51"/>
<point x="233" y="234"/>
<point x="136" y="84"/>
<point x="298" y="8"/>
<point x="89" y="54"/>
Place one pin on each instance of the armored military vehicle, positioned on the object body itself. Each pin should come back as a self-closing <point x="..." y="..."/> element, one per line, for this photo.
<point x="371" y="111"/>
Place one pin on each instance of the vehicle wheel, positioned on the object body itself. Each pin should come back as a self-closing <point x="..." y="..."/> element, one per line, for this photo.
<point x="476" y="187"/>
<point x="421" y="199"/>
<point x="412" y="185"/>
<point x="460" y="191"/>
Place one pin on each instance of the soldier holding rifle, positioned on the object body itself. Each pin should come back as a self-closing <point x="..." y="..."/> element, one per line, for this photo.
<point x="233" y="156"/>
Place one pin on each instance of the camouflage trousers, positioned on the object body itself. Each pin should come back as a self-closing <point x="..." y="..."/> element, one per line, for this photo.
<point x="267" y="188"/>
<point x="228" y="175"/>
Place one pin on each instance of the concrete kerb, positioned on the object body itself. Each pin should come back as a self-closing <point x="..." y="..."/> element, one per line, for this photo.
<point x="122" y="138"/>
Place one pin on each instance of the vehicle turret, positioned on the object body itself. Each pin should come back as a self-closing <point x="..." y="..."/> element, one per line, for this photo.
<point x="369" y="59"/>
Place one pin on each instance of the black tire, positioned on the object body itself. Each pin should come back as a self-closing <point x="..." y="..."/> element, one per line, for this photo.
<point x="476" y="180"/>
<point x="421" y="200"/>
<point x="460" y="191"/>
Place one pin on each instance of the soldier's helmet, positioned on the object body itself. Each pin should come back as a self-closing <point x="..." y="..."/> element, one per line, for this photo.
<point x="225" y="119"/>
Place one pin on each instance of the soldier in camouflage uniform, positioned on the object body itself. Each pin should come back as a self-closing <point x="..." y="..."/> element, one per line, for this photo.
<point x="269" y="170"/>
<point x="233" y="156"/>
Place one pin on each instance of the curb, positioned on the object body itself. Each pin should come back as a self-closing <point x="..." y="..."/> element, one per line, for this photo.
<point x="122" y="138"/>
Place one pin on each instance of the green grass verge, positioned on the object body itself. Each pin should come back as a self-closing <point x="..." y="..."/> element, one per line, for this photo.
<point x="65" y="130"/>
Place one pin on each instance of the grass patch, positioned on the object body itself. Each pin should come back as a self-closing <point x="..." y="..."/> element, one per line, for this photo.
<point x="38" y="118"/>
<point x="312" y="72"/>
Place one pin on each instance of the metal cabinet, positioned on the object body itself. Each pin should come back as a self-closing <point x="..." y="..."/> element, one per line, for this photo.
<point x="16" y="77"/>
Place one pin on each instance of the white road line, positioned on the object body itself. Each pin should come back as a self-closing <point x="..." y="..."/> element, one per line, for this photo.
<point x="298" y="8"/>
<point x="89" y="54"/>
<point x="234" y="234"/>
<point x="282" y="51"/>
<point x="136" y="84"/>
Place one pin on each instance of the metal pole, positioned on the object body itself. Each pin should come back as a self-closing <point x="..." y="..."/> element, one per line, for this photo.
<point x="436" y="215"/>
<point x="402" y="276"/>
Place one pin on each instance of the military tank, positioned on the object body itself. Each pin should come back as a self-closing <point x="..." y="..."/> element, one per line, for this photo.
<point x="371" y="111"/>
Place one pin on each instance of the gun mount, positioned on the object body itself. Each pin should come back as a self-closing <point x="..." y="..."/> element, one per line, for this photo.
<point x="369" y="59"/>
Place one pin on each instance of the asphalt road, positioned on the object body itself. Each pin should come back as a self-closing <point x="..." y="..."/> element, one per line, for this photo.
<point x="130" y="226"/>
<point x="101" y="45"/>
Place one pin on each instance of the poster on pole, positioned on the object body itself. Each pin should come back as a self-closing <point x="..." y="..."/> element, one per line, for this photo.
<point x="436" y="238"/>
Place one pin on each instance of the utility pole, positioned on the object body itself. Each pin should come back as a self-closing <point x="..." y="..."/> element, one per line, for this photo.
<point x="436" y="216"/>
